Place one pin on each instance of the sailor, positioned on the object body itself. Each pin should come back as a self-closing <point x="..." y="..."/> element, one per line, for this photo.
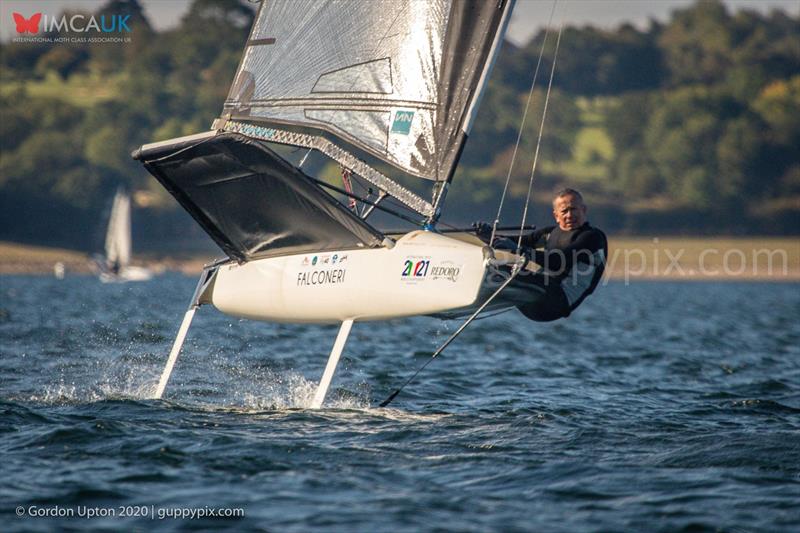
<point x="571" y="257"/>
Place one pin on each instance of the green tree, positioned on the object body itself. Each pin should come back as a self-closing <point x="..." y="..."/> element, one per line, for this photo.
<point x="681" y="139"/>
<point x="739" y="151"/>
<point x="778" y="104"/>
<point x="697" y="43"/>
<point x="111" y="57"/>
<point x="63" y="60"/>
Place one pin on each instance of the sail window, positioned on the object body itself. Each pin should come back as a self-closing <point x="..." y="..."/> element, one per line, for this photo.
<point x="371" y="127"/>
<point x="369" y="77"/>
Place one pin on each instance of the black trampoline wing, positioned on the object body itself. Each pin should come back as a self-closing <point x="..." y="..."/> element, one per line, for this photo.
<point x="252" y="202"/>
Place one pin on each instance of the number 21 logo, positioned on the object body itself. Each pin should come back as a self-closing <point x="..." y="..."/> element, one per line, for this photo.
<point x="415" y="270"/>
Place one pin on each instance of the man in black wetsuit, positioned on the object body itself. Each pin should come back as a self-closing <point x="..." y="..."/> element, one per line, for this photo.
<point x="572" y="256"/>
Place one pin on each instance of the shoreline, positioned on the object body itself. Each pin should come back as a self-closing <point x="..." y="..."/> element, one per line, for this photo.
<point x="630" y="260"/>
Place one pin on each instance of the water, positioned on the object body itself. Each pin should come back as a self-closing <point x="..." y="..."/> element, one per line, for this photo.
<point x="657" y="407"/>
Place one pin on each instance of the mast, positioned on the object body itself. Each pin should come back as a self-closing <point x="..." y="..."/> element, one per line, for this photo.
<point x="440" y="191"/>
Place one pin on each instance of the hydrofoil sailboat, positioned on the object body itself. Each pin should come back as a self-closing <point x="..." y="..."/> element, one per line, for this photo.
<point x="388" y="90"/>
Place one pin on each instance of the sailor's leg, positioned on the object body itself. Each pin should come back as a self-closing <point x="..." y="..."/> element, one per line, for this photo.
<point x="176" y="348"/>
<point x="547" y="299"/>
<point x="333" y="360"/>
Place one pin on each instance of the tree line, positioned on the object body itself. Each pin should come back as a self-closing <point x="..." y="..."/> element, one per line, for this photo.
<point x="688" y="125"/>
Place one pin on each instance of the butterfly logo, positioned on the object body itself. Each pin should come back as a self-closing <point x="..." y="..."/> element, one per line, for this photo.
<point x="30" y="25"/>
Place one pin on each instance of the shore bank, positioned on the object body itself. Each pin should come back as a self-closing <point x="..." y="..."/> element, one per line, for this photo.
<point x="40" y="260"/>
<point x="630" y="259"/>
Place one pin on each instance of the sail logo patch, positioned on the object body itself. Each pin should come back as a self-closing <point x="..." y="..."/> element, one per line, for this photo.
<point x="402" y="122"/>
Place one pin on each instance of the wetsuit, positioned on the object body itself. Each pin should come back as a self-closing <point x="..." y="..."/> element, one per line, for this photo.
<point x="572" y="264"/>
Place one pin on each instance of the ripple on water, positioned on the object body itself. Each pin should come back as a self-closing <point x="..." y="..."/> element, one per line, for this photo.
<point x="655" y="407"/>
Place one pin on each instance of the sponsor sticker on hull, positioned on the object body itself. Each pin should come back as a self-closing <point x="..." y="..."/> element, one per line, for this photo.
<point x="321" y="277"/>
<point x="323" y="259"/>
<point x="446" y="270"/>
<point x="321" y="269"/>
<point x="417" y="269"/>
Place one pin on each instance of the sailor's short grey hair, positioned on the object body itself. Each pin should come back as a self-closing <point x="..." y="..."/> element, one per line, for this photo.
<point x="566" y="191"/>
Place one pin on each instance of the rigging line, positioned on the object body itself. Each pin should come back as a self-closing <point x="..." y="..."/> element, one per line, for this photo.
<point x="516" y="270"/>
<point x="453" y="229"/>
<point x="366" y="194"/>
<point x="539" y="140"/>
<point x="368" y="202"/>
<point x="498" y="312"/>
<point x="302" y="161"/>
<point x="348" y="186"/>
<point x="522" y="123"/>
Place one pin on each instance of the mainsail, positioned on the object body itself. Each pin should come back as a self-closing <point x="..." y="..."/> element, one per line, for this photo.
<point x="396" y="79"/>
<point x="389" y="84"/>
<point x="118" y="235"/>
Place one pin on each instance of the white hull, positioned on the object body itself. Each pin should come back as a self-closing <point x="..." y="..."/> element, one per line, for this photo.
<point x="129" y="273"/>
<point x="423" y="273"/>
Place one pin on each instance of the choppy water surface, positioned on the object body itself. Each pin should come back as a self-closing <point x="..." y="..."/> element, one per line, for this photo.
<point x="656" y="407"/>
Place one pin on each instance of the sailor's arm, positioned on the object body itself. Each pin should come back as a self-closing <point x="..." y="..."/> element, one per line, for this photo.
<point x="536" y="238"/>
<point x="563" y="259"/>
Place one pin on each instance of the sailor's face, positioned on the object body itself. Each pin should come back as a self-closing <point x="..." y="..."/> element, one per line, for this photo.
<point x="569" y="212"/>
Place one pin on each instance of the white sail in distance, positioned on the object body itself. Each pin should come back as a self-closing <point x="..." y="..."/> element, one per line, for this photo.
<point x="118" y="235"/>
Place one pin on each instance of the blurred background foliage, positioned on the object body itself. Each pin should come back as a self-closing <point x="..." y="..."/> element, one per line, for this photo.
<point x="688" y="127"/>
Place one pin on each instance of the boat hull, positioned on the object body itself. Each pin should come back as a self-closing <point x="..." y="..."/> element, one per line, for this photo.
<point x="423" y="273"/>
<point x="128" y="273"/>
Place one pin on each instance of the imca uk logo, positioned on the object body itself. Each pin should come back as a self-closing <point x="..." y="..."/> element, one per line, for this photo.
<point x="77" y="23"/>
<point x="29" y="25"/>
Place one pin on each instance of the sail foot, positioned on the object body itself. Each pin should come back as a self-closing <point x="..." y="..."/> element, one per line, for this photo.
<point x="339" y="155"/>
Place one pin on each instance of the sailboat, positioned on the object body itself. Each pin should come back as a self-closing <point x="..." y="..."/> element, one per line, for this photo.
<point x="115" y="265"/>
<point x="388" y="90"/>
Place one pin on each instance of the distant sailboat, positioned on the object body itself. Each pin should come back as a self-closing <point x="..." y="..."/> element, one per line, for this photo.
<point x="115" y="266"/>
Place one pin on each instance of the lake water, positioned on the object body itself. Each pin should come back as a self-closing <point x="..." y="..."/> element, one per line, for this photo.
<point x="656" y="407"/>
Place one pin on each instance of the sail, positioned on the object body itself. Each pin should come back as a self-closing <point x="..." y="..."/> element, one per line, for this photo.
<point x="118" y="235"/>
<point x="398" y="79"/>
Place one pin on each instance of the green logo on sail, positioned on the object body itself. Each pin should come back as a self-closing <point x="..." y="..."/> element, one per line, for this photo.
<point x="402" y="122"/>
